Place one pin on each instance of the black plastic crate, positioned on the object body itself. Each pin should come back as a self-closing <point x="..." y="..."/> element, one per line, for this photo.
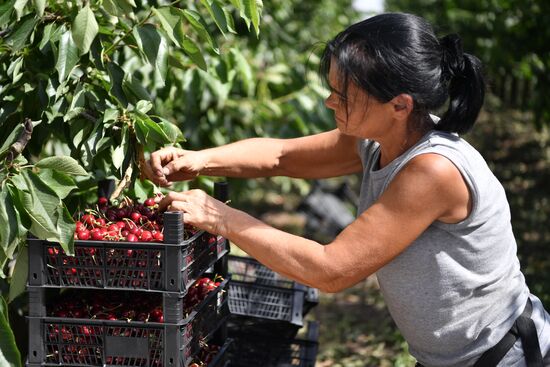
<point x="249" y="270"/>
<point x="56" y="341"/>
<point x="265" y="309"/>
<point x="171" y="266"/>
<point x="250" y="350"/>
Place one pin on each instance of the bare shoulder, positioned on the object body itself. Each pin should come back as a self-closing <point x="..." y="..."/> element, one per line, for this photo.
<point x="441" y="180"/>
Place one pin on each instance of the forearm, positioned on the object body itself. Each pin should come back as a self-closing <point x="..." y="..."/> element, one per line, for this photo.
<point x="297" y="258"/>
<point x="323" y="155"/>
<point x="250" y="158"/>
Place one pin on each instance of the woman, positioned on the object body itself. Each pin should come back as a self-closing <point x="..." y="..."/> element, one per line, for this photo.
<point x="434" y="223"/>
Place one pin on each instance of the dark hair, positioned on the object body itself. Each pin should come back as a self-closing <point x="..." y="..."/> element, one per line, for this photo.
<point x="395" y="53"/>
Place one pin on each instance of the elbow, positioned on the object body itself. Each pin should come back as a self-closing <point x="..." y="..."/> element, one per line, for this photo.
<point x="332" y="285"/>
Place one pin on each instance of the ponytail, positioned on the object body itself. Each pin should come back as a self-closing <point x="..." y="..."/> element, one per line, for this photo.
<point x="463" y="73"/>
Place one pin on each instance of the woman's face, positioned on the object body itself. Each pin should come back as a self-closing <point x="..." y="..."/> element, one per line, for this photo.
<point x="365" y="117"/>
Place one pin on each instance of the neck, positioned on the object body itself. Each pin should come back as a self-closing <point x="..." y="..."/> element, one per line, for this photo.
<point x="392" y="148"/>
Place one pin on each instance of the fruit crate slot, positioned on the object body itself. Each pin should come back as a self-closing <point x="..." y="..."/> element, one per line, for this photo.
<point x="172" y="266"/>
<point x="64" y="341"/>
<point x="248" y="350"/>
<point x="249" y="270"/>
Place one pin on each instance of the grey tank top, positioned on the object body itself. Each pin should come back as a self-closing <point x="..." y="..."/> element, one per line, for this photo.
<point x="458" y="288"/>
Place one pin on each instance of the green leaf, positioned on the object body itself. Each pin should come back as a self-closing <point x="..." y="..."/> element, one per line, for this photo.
<point x="153" y="45"/>
<point x="193" y="51"/>
<point x="132" y="86"/>
<point x="112" y="8"/>
<point x="168" y="19"/>
<point x="60" y="183"/>
<point x="67" y="56"/>
<point x="230" y="21"/>
<point x="252" y="11"/>
<point x="173" y="132"/>
<point x="20" y="274"/>
<point x="141" y="129"/>
<point x="155" y="132"/>
<point x="15" y="69"/>
<point x="144" y="106"/>
<point x="8" y="219"/>
<point x="5" y="12"/>
<point x="62" y="164"/>
<point x="16" y="193"/>
<point x="3" y="261"/>
<point x="18" y="38"/>
<point x="9" y="354"/>
<point x="77" y="104"/>
<point x="116" y="76"/>
<point x="66" y="227"/>
<point x="199" y="26"/>
<point x="119" y="153"/>
<point x="41" y="204"/>
<point x="148" y="41"/>
<point x="84" y="29"/>
<point x="19" y="5"/>
<point x="217" y="13"/>
<point x="245" y="70"/>
<point x="40" y="6"/>
<point x="110" y="114"/>
<point x="143" y="189"/>
<point x="46" y="34"/>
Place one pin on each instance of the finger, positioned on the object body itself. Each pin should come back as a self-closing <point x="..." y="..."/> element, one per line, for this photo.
<point x="161" y="181"/>
<point x="173" y="167"/>
<point x="160" y="157"/>
<point x="169" y="199"/>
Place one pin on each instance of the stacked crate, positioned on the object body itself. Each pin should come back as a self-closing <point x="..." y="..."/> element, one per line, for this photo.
<point x="163" y="270"/>
<point x="267" y="312"/>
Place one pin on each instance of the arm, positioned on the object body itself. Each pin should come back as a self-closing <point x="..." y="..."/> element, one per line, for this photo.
<point x="429" y="188"/>
<point x="327" y="154"/>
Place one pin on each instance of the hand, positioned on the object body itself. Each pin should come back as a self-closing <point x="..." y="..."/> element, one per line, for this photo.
<point x="174" y="164"/>
<point x="200" y="210"/>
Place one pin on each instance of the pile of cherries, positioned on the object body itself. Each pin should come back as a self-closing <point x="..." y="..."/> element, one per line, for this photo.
<point x="127" y="306"/>
<point x="129" y="221"/>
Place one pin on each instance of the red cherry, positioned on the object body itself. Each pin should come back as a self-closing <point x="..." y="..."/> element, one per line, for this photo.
<point x="80" y="226"/>
<point x="120" y="224"/>
<point x="102" y="201"/>
<point x="146" y="236"/>
<point x="83" y="235"/>
<point x="158" y="237"/>
<point x="149" y="202"/>
<point x="100" y="222"/>
<point x="89" y="219"/>
<point x="96" y="234"/>
<point x="135" y="216"/>
<point x="131" y="238"/>
<point x="113" y="228"/>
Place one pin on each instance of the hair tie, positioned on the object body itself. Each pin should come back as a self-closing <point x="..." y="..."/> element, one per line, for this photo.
<point x="452" y="59"/>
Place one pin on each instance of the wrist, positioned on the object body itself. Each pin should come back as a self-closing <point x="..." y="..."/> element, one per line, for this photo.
<point x="205" y="166"/>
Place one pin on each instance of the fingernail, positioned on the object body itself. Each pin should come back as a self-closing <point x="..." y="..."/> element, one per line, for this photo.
<point x="160" y="173"/>
<point x="166" y="171"/>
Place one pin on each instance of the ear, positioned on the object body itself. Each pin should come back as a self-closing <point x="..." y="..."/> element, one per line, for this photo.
<point x="402" y="106"/>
